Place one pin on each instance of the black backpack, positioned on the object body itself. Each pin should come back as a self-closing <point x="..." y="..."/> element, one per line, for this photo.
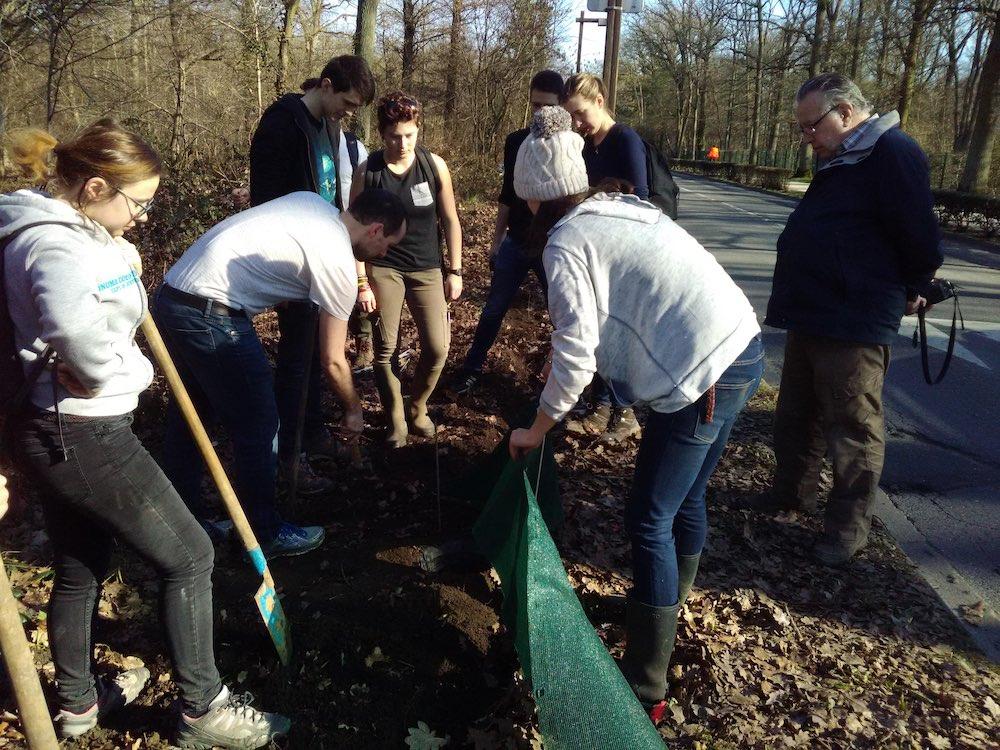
<point x="662" y="188"/>
<point x="14" y="384"/>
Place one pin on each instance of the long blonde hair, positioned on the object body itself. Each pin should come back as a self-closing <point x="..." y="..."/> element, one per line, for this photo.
<point x="104" y="149"/>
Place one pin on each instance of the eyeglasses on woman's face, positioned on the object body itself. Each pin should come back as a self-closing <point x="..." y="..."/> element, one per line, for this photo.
<point x="142" y="207"/>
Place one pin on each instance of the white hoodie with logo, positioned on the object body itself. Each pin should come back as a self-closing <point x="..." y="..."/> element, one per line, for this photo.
<point x="72" y="285"/>
<point x="635" y="298"/>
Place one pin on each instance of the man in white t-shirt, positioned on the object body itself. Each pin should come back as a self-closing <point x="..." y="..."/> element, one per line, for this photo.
<point x="297" y="247"/>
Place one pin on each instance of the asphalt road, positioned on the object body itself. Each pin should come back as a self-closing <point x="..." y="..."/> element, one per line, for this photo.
<point x="943" y="453"/>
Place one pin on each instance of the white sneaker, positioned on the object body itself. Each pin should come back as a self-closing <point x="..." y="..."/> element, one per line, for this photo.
<point x="111" y="696"/>
<point x="231" y="722"/>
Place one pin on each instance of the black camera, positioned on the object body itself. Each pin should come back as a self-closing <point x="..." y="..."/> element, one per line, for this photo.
<point x="938" y="290"/>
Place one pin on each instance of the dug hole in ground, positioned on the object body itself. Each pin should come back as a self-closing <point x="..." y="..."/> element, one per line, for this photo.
<point x="773" y="649"/>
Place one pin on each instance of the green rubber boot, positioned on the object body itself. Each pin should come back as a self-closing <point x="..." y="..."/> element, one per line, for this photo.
<point x="687" y="569"/>
<point x="650" y="633"/>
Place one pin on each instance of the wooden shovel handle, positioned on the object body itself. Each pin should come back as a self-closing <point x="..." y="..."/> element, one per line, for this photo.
<point x="21" y="671"/>
<point x="232" y="503"/>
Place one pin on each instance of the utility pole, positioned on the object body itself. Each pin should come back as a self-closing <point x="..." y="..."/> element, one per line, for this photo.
<point x="579" y="45"/>
<point x="615" y="33"/>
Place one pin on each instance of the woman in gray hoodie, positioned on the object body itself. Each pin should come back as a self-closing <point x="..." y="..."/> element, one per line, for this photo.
<point x="635" y="299"/>
<point x="73" y="291"/>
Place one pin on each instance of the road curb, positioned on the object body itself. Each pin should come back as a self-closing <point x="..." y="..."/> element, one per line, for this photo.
<point x="951" y="587"/>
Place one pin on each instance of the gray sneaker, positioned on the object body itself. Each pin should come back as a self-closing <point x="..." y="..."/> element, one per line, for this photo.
<point x="112" y="695"/>
<point x="231" y="722"/>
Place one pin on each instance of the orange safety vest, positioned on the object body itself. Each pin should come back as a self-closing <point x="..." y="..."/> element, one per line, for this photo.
<point x="713" y="153"/>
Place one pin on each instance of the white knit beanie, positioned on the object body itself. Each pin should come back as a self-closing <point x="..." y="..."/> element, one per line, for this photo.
<point x="550" y="161"/>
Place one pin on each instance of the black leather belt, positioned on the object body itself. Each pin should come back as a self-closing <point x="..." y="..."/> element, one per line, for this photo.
<point x="206" y="306"/>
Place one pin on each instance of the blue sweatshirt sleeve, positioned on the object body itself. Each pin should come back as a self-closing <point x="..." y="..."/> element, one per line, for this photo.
<point x="633" y="161"/>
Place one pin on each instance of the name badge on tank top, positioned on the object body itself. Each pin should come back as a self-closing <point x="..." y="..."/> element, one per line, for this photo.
<point x="421" y="194"/>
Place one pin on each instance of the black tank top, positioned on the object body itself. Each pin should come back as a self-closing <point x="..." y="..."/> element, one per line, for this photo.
<point x="420" y="248"/>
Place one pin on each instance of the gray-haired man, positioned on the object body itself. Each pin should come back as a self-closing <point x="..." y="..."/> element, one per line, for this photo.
<point x="851" y="260"/>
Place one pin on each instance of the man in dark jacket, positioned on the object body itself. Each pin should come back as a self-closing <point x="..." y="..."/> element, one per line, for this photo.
<point x="852" y="259"/>
<point x="300" y="145"/>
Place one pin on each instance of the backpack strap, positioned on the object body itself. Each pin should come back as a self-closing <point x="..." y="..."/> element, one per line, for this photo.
<point x="426" y="161"/>
<point x="352" y="147"/>
<point x="373" y="170"/>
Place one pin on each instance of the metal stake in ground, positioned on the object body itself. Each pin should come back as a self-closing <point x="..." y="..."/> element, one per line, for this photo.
<point x="300" y="413"/>
<point x="266" y="596"/>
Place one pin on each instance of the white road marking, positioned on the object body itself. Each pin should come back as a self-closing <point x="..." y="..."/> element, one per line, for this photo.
<point x="730" y="205"/>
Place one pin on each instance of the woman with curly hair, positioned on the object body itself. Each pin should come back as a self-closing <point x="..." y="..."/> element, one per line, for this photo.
<point x="413" y="270"/>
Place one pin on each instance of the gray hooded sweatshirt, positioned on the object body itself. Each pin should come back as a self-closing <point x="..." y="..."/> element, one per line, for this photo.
<point x="634" y="297"/>
<point x="72" y="285"/>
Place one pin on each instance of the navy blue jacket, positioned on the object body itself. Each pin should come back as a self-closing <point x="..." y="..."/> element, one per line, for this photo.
<point x="621" y="155"/>
<point x="860" y="237"/>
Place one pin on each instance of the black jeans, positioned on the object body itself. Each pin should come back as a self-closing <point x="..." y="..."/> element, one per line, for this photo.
<point x="108" y="487"/>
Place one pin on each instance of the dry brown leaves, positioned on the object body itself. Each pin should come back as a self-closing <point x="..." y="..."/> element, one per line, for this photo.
<point x="773" y="649"/>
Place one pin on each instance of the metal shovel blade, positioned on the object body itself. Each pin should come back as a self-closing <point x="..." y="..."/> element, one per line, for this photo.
<point x="274" y="619"/>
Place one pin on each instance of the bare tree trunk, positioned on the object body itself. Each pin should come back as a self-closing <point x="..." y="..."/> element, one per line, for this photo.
<point x="968" y="94"/>
<point x="179" y="80"/>
<point x="921" y="10"/>
<point x="727" y="141"/>
<point x="409" y="44"/>
<point x="856" y="40"/>
<point x="758" y="86"/>
<point x="815" y="55"/>
<point x="454" y="54"/>
<point x="364" y="46"/>
<point x="703" y="119"/>
<point x="291" y="9"/>
<point x="976" y="175"/>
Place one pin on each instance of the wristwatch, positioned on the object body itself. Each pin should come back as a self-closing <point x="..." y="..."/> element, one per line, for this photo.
<point x="455" y="272"/>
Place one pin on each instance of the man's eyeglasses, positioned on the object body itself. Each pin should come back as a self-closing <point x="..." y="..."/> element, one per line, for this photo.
<point x="810" y="129"/>
<point x="142" y="206"/>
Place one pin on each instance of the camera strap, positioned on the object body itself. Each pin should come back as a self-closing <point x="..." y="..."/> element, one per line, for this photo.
<point x="956" y="315"/>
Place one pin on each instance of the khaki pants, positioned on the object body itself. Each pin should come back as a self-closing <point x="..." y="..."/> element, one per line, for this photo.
<point x="830" y="401"/>
<point x="423" y="292"/>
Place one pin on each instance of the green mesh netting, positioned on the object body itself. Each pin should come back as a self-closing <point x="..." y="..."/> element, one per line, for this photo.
<point x="583" y="701"/>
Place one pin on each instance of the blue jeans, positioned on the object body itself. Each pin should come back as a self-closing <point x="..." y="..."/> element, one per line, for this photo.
<point x="108" y="487"/>
<point x="509" y="271"/>
<point x="226" y="372"/>
<point x="665" y="516"/>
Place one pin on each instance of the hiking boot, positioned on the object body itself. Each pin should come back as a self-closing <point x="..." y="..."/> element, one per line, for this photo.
<point x="623" y="425"/>
<point x="465" y="382"/>
<point x="293" y="540"/>
<point x="366" y="354"/>
<point x="231" y="722"/>
<point x="112" y="696"/>
<point x="837" y="552"/>
<point x="310" y="483"/>
<point x="593" y="423"/>
<point x="650" y="634"/>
